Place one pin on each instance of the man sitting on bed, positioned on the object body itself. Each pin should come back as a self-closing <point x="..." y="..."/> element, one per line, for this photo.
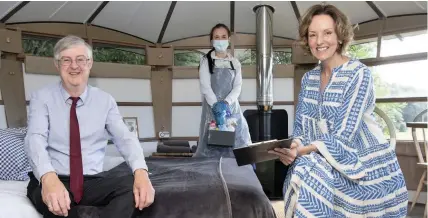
<point x="68" y="129"/>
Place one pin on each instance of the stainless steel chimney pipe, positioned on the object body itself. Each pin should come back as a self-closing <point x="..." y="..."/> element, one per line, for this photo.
<point x="264" y="61"/>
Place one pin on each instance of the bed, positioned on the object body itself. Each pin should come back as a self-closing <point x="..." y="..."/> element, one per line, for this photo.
<point x="14" y="202"/>
<point x="185" y="187"/>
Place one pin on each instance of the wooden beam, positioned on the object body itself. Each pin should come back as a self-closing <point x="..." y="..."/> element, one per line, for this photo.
<point x="395" y="59"/>
<point x="161" y="86"/>
<point x="186" y="104"/>
<point x="402" y="99"/>
<point x="242" y="103"/>
<point x="248" y="71"/>
<point x="149" y="139"/>
<point x="240" y="39"/>
<point x="185" y="138"/>
<point x="144" y="104"/>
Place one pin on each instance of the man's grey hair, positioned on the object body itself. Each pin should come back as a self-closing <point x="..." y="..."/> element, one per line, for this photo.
<point x="68" y="42"/>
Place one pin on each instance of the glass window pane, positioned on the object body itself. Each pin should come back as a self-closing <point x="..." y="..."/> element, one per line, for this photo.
<point x="282" y="56"/>
<point x="362" y="50"/>
<point x="118" y="54"/>
<point x="189" y="57"/>
<point x="39" y="45"/>
<point x="248" y="56"/>
<point x="400" y="114"/>
<point x="408" y="79"/>
<point x="406" y="43"/>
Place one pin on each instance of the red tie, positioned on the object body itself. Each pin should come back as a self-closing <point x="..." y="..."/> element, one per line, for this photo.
<point x="76" y="169"/>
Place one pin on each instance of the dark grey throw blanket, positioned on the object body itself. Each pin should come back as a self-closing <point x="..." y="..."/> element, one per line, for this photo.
<point x="199" y="188"/>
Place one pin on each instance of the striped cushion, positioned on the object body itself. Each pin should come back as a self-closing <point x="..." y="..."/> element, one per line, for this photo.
<point x="14" y="163"/>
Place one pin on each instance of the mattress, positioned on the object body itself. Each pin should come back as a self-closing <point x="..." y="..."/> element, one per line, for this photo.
<point x="185" y="187"/>
<point x="13" y="195"/>
<point x="200" y="188"/>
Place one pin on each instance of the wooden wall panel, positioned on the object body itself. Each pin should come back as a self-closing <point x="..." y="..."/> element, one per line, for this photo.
<point x="161" y="85"/>
<point x="13" y="92"/>
<point x="248" y="72"/>
<point x="240" y="40"/>
<point x="407" y="158"/>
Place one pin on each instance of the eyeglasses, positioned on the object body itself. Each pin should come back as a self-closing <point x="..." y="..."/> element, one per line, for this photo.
<point x="67" y="61"/>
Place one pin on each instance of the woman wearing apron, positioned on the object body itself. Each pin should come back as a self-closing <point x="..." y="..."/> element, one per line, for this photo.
<point x="220" y="83"/>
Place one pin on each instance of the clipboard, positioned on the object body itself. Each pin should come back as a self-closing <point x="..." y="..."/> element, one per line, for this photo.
<point x="258" y="152"/>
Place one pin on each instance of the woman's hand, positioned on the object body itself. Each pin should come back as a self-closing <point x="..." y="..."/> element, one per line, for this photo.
<point x="286" y="155"/>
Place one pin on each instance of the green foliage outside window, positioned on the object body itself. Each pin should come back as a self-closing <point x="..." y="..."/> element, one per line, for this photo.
<point x="399" y="113"/>
<point x="44" y="46"/>
<point x="189" y="58"/>
<point x="39" y="46"/>
<point x="118" y="54"/>
<point x="282" y="57"/>
<point x="363" y="50"/>
<point x="248" y="56"/>
<point x="245" y="56"/>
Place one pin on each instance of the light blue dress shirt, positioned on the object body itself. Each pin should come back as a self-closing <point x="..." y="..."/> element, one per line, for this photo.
<point x="47" y="143"/>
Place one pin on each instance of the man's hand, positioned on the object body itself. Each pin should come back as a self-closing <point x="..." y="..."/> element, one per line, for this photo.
<point x="286" y="155"/>
<point x="55" y="195"/>
<point x="144" y="193"/>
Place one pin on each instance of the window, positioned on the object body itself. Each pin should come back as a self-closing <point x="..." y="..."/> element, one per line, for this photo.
<point x="189" y="57"/>
<point x="400" y="114"/>
<point x="44" y="46"/>
<point x="406" y="43"/>
<point x="363" y="50"/>
<point x="401" y="80"/>
<point x="39" y="45"/>
<point x="408" y="79"/>
<point x="282" y="56"/>
<point x="118" y="54"/>
<point x="248" y="56"/>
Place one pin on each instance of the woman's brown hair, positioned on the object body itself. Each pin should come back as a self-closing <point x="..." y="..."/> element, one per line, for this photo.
<point x="344" y="29"/>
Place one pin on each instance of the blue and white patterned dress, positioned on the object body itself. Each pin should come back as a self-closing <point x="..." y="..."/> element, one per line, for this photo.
<point x="356" y="172"/>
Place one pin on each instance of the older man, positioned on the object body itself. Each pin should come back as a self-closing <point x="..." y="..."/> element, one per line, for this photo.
<point x="68" y="129"/>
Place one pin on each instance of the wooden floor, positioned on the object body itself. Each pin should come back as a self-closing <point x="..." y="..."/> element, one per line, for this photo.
<point x="417" y="212"/>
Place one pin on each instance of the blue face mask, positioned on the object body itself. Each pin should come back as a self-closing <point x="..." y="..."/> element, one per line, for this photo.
<point x="220" y="45"/>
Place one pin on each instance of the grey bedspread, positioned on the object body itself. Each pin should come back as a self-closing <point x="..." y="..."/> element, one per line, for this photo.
<point x="200" y="188"/>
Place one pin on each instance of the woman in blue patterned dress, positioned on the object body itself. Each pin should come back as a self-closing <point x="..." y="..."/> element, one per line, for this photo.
<point x="340" y="163"/>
